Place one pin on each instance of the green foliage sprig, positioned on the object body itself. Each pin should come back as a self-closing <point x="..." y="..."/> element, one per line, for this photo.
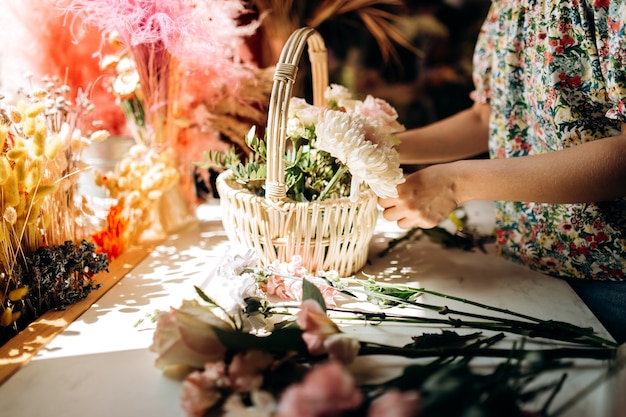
<point x="310" y="173"/>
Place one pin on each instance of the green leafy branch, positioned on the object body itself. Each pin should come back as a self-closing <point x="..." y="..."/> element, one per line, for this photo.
<point x="310" y="174"/>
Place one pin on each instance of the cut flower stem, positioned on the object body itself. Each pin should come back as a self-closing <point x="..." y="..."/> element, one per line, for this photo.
<point x="532" y="327"/>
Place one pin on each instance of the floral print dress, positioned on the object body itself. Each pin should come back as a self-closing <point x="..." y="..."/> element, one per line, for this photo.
<point x="554" y="75"/>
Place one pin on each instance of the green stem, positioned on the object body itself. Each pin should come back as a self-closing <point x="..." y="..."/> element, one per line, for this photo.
<point x="547" y="354"/>
<point x="535" y="328"/>
<point x="539" y="325"/>
<point x="331" y="184"/>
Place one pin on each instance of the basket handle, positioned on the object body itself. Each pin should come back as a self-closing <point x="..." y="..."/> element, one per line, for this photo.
<point x="284" y="78"/>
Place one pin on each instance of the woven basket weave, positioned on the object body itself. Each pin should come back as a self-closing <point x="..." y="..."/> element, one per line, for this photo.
<point x="332" y="234"/>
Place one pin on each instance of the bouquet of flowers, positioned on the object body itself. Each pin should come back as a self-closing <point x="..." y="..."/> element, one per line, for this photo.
<point x="333" y="150"/>
<point x="245" y="353"/>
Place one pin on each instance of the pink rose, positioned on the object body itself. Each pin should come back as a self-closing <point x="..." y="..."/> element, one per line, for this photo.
<point x="395" y="403"/>
<point x="200" y="390"/>
<point x="185" y="336"/>
<point x="316" y="325"/>
<point x="379" y="109"/>
<point x="325" y="391"/>
<point x="244" y="371"/>
<point x="321" y="335"/>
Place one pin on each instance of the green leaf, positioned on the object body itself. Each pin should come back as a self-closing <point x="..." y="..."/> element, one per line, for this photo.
<point x="283" y="340"/>
<point x="446" y="338"/>
<point x="311" y="292"/>
<point x="205" y="297"/>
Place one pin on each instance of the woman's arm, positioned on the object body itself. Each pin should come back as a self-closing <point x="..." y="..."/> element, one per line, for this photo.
<point x="460" y="136"/>
<point x="590" y="172"/>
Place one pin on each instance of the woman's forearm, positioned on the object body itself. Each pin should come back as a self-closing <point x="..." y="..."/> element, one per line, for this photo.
<point x="457" y="137"/>
<point x="590" y="172"/>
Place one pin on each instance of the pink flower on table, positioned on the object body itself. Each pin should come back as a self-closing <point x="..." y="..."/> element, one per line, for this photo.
<point x="316" y="325"/>
<point x="395" y="403"/>
<point x="244" y="371"/>
<point x="263" y="405"/>
<point x="291" y="288"/>
<point x="201" y="389"/>
<point x="325" y="391"/>
<point x="322" y="335"/>
<point x="185" y="336"/>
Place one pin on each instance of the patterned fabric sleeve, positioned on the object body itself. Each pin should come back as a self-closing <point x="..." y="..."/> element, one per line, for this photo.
<point x="613" y="57"/>
<point x="482" y="59"/>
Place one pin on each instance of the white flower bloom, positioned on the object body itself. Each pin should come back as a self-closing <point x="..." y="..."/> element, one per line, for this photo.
<point x="303" y="111"/>
<point x="346" y="137"/>
<point x="338" y="94"/>
<point x="295" y="128"/>
<point x="235" y="266"/>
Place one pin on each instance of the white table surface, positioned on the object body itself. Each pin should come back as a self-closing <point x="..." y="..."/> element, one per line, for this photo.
<point x="101" y="366"/>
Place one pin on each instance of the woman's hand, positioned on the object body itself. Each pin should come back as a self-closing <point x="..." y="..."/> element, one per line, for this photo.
<point x="425" y="199"/>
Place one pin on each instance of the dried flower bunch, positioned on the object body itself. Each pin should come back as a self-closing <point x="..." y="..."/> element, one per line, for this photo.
<point x="172" y="61"/>
<point x="241" y="353"/>
<point x="158" y="42"/>
<point x="333" y="150"/>
<point x="40" y="159"/>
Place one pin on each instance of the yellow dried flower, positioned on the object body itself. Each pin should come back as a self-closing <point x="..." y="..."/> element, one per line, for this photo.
<point x="4" y="133"/>
<point x="7" y="317"/>
<point x="44" y="190"/>
<point x="99" y="135"/>
<point x="17" y="153"/>
<point x="39" y="93"/>
<point x="35" y="109"/>
<point x="15" y="115"/>
<point x="11" y="191"/>
<point x="39" y="138"/>
<point x="20" y="170"/>
<point x="34" y="213"/>
<point x="5" y="170"/>
<point x="20" y="207"/>
<point x="16" y="316"/>
<point x="46" y="220"/>
<point x="18" y="293"/>
<point x="54" y="146"/>
<point x="33" y="177"/>
<point x="28" y="126"/>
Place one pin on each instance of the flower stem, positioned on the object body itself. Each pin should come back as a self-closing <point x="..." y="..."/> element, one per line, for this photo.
<point x="546" y="354"/>
<point x="331" y="184"/>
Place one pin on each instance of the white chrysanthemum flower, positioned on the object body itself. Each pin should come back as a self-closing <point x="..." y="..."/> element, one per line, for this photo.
<point x="347" y="137"/>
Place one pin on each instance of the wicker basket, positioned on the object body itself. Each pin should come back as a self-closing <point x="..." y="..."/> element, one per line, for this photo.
<point x="332" y="234"/>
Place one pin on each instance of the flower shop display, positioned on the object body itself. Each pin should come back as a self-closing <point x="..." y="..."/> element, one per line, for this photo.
<point x="316" y="194"/>
<point x="277" y="340"/>
<point x="47" y="260"/>
<point x="174" y="61"/>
